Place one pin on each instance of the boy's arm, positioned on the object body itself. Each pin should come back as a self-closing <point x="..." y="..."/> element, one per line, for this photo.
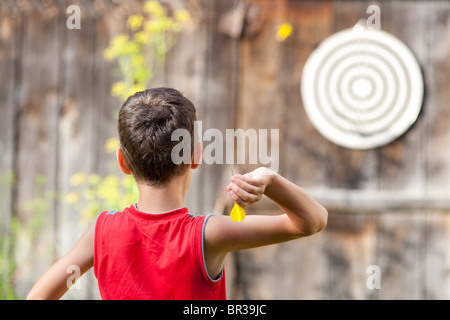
<point x="303" y="217"/>
<point x="53" y="284"/>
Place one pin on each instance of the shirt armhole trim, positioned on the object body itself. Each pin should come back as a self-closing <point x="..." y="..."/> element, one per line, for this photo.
<point x="219" y="277"/>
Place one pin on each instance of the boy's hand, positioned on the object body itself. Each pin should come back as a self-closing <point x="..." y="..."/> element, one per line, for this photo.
<point x="250" y="187"/>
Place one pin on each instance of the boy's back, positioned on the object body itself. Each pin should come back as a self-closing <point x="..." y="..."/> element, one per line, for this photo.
<point x="152" y="256"/>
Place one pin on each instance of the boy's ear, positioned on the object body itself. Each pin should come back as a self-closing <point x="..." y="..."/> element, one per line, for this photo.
<point x="197" y="155"/>
<point x="121" y="161"/>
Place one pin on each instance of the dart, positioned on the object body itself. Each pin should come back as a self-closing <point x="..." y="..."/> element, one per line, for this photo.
<point x="237" y="212"/>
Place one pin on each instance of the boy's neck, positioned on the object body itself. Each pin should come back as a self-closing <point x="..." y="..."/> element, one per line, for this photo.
<point x="162" y="199"/>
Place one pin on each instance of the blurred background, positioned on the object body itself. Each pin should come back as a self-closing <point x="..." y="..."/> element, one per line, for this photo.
<point x="66" y="66"/>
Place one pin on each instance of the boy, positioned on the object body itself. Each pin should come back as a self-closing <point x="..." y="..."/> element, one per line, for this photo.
<point x="155" y="249"/>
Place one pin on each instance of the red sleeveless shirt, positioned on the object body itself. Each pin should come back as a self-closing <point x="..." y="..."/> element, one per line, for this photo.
<point x="153" y="256"/>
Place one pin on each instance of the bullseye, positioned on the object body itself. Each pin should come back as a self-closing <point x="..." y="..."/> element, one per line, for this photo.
<point x="361" y="88"/>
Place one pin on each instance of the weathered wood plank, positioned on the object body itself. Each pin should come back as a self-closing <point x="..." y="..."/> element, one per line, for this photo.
<point x="401" y="255"/>
<point x="403" y="162"/>
<point x="437" y="112"/>
<point x="10" y="28"/>
<point x="382" y="199"/>
<point x="350" y="251"/>
<point x="36" y="157"/>
<point x="436" y="66"/>
<point x="262" y="98"/>
<point x="306" y="153"/>
<point x="75" y="124"/>
<point x="436" y="256"/>
<point x="8" y="42"/>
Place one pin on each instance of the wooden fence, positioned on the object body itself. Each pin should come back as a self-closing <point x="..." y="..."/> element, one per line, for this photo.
<point x="389" y="207"/>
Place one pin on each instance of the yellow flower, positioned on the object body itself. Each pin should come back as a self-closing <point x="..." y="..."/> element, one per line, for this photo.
<point x="118" y="89"/>
<point x="284" y="31"/>
<point x="77" y="179"/>
<point x="94" y="179"/>
<point x="72" y="198"/>
<point x="111" y="145"/>
<point x="154" y="8"/>
<point x="135" y="22"/>
<point x="119" y="40"/>
<point x="91" y="211"/>
<point x="109" y="189"/>
<point x="90" y="195"/>
<point x="141" y="37"/>
<point x="136" y="88"/>
<point x="182" y="15"/>
<point x="152" y="26"/>
<point x="109" y="53"/>
<point x="137" y="60"/>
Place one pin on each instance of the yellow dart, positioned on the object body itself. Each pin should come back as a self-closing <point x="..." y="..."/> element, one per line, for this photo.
<point x="237" y="213"/>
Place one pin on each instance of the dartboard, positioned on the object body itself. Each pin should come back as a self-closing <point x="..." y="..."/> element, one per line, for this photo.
<point x="362" y="88"/>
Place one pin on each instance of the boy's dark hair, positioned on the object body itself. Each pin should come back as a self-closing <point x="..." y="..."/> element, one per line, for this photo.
<point x="146" y="122"/>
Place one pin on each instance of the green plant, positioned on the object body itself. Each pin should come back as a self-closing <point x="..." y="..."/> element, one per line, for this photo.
<point x="40" y="205"/>
<point x="7" y="263"/>
<point x="141" y="52"/>
<point x="30" y="229"/>
<point x="7" y="242"/>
